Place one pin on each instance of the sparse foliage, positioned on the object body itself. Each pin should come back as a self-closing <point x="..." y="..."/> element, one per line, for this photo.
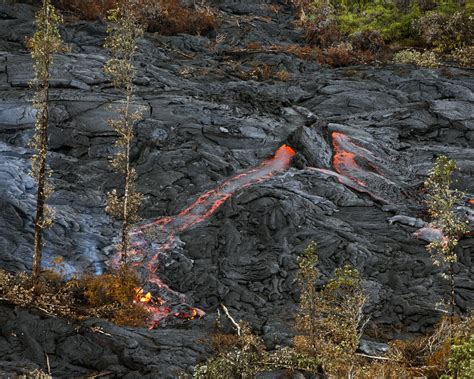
<point x="243" y="357"/>
<point x="43" y="45"/>
<point x="329" y="322"/>
<point x="422" y="59"/>
<point x="433" y="355"/>
<point x="464" y="55"/>
<point x="123" y="31"/>
<point x="112" y="296"/>
<point x="461" y="362"/>
<point x="441" y="201"/>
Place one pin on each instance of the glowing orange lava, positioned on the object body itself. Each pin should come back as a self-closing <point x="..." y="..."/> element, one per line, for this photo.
<point x="165" y="231"/>
<point x="344" y="161"/>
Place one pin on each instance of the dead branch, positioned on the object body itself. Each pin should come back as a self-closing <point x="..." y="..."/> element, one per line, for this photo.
<point x="237" y="326"/>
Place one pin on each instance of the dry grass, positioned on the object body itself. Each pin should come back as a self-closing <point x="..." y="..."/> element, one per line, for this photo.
<point x="86" y="9"/>
<point x="344" y="55"/>
<point x="174" y="18"/>
<point x="109" y="296"/>
<point x="421" y="357"/>
<point x="167" y="17"/>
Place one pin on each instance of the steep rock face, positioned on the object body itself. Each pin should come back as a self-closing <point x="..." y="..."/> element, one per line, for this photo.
<point x="364" y="137"/>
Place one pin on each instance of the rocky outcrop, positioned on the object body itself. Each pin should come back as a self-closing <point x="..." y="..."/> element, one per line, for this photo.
<point x="364" y="137"/>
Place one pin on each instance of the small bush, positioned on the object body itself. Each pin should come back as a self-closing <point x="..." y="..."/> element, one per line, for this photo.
<point x="243" y="358"/>
<point x="344" y="55"/>
<point x="35" y="374"/>
<point x="254" y="45"/>
<point x="174" y="18"/>
<point x="86" y="9"/>
<point x="369" y="40"/>
<point x="321" y="26"/>
<point x="446" y="32"/>
<point x="263" y="72"/>
<point x="329" y="322"/>
<point x="461" y="362"/>
<point x="422" y="59"/>
<point x="464" y="55"/>
<point x="116" y="287"/>
<point x="132" y="314"/>
<point x="282" y="75"/>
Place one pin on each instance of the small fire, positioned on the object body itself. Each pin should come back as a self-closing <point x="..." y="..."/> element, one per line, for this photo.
<point x="141" y="297"/>
<point x="189" y="316"/>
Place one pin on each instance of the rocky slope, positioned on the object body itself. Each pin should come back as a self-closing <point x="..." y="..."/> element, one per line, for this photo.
<point x="364" y="139"/>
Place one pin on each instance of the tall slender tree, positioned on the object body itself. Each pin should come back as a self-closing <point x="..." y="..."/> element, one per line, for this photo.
<point x="43" y="45"/>
<point x="441" y="201"/>
<point x="123" y="31"/>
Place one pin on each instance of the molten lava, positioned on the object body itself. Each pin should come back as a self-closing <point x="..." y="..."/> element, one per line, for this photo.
<point x="151" y="240"/>
<point x="357" y="167"/>
<point x="344" y="160"/>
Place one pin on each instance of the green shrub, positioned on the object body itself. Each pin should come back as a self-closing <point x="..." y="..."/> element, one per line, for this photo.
<point x="330" y="322"/>
<point x="464" y="55"/>
<point x="395" y="20"/>
<point x="462" y="358"/>
<point x="382" y="16"/>
<point x="422" y="59"/>
<point x="242" y="357"/>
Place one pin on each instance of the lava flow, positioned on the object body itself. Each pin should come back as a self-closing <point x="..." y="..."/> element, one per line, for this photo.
<point x="347" y="160"/>
<point x="151" y="240"/>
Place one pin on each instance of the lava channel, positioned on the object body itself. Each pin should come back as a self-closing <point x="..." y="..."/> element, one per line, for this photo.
<point x="161" y="235"/>
<point x="346" y="162"/>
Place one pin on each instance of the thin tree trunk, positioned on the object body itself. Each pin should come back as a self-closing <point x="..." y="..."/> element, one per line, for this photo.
<point x="41" y="195"/>
<point x="452" y="297"/>
<point x="125" y="223"/>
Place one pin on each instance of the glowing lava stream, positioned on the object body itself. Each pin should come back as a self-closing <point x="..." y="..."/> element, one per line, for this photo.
<point x="154" y="238"/>
<point x="348" y="171"/>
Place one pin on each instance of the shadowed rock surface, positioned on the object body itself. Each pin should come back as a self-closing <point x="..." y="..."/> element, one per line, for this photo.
<point x="364" y="138"/>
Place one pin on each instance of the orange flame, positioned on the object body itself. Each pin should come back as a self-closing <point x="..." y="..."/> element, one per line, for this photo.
<point x="141" y="297"/>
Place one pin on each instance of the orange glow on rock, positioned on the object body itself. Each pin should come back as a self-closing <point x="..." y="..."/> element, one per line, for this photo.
<point x="284" y="150"/>
<point x="344" y="161"/>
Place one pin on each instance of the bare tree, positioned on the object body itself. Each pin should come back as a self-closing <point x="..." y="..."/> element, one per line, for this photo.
<point x="123" y="31"/>
<point x="43" y="45"/>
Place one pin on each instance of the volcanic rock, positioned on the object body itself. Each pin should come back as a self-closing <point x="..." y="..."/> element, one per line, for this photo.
<point x="364" y="139"/>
